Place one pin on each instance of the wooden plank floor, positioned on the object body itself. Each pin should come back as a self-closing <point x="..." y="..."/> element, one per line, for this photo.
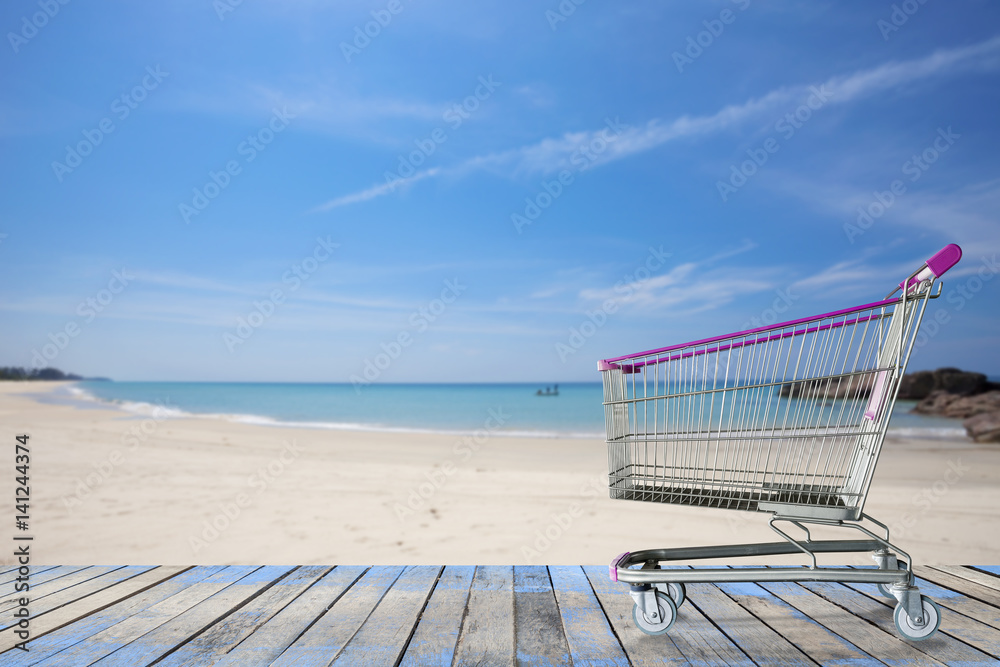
<point x="428" y="615"/>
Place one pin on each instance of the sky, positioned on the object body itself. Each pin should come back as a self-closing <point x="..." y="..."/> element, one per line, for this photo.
<point x="429" y="191"/>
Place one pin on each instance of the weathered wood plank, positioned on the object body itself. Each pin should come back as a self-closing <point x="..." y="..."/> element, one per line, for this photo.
<point x="538" y="630"/>
<point x="10" y="575"/>
<point x="269" y="640"/>
<point x="487" y="636"/>
<point x="166" y="637"/>
<point x="84" y="589"/>
<point x="871" y="639"/>
<point x="216" y="640"/>
<point x="588" y="633"/>
<point x="40" y="585"/>
<point x="91" y="624"/>
<point x="761" y="643"/>
<point x="981" y="578"/>
<point x="958" y="625"/>
<point x="991" y="569"/>
<point x="813" y="639"/>
<point x="53" y="582"/>
<point x="330" y="633"/>
<point x="436" y="636"/>
<point x="668" y="649"/>
<point x="88" y="649"/>
<point x="383" y="637"/>
<point x="964" y="586"/>
<point x="89" y="605"/>
<point x="941" y="647"/>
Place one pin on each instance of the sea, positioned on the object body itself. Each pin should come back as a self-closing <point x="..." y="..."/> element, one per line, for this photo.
<point x="503" y="409"/>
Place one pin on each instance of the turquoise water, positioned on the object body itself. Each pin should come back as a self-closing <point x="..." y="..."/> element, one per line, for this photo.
<point x="576" y="412"/>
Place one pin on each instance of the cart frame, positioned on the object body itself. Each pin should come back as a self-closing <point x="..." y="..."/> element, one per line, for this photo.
<point x="686" y="450"/>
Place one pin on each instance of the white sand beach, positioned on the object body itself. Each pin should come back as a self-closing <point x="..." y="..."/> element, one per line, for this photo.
<point x="110" y="486"/>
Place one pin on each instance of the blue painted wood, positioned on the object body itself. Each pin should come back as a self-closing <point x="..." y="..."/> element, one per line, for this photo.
<point x="84" y="588"/>
<point x="942" y="648"/>
<point x="692" y="641"/>
<point x="118" y="635"/>
<point x="320" y="643"/>
<point x="268" y="641"/>
<point x="590" y="639"/>
<point x="10" y="574"/>
<point x="81" y="630"/>
<point x="813" y="639"/>
<point x="875" y="641"/>
<point x="487" y="636"/>
<point x="167" y="636"/>
<point x="220" y="637"/>
<point x="54" y="581"/>
<point x="538" y="631"/>
<point x="383" y="637"/>
<point x="963" y="624"/>
<point x="763" y="645"/>
<point x="436" y="636"/>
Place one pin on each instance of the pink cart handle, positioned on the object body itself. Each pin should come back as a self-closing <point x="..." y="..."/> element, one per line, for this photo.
<point x="936" y="266"/>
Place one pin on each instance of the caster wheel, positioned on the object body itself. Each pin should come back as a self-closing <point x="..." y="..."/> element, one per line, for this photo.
<point x="929" y="622"/>
<point x="676" y="591"/>
<point x="668" y="613"/>
<point x="884" y="589"/>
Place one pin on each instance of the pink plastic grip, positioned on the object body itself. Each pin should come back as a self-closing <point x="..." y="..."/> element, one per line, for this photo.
<point x="613" y="568"/>
<point x="937" y="265"/>
<point x="944" y="259"/>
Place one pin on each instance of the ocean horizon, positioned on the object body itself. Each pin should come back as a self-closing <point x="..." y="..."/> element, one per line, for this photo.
<point x="512" y="409"/>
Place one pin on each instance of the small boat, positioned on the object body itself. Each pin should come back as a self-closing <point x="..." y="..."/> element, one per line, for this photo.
<point x="549" y="391"/>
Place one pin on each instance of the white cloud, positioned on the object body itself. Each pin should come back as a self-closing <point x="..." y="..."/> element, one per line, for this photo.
<point x="552" y="154"/>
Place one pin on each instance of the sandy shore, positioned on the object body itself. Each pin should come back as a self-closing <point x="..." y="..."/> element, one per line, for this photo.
<point x="110" y="486"/>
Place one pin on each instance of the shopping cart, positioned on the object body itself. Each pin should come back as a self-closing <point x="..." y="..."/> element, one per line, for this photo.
<point x="787" y="419"/>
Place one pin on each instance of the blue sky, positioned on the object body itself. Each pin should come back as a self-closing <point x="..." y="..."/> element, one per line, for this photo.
<point x="260" y="191"/>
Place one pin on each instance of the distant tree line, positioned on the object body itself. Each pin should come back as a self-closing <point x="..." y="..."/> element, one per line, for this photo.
<point x="18" y="373"/>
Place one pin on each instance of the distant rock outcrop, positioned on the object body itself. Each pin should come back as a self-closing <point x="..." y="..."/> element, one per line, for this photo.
<point x="950" y="392"/>
<point x="984" y="427"/>
<point x="849" y="387"/>
<point x="919" y="385"/>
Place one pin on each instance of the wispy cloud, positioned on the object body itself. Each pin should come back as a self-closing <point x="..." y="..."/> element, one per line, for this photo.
<point x="552" y="154"/>
<point x="691" y="286"/>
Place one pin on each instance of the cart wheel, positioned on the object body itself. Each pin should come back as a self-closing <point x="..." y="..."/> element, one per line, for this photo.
<point x="930" y="621"/>
<point x="668" y="613"/>
<point x="884" y="590"/>
<point x="676" y="591"/>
